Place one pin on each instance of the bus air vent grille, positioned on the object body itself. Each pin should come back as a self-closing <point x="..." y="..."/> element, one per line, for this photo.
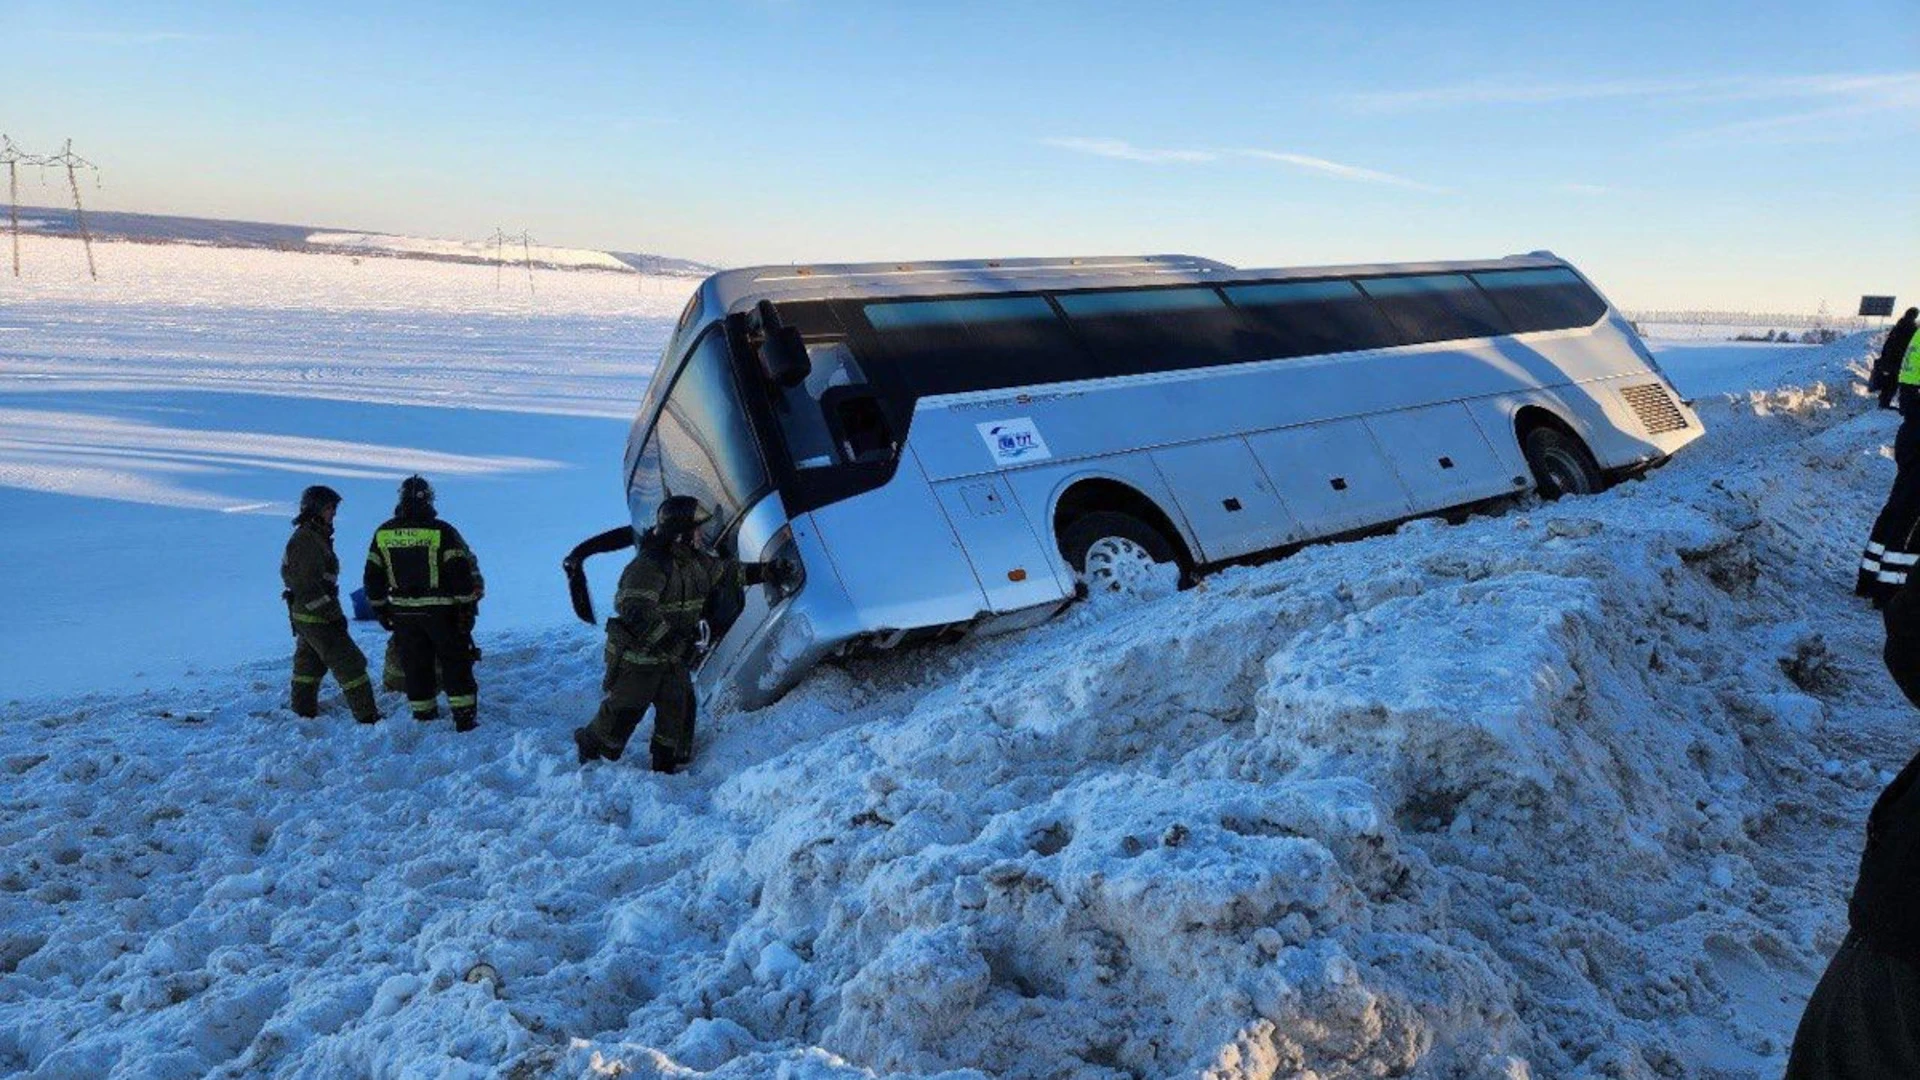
<point x="1655" y="408"/>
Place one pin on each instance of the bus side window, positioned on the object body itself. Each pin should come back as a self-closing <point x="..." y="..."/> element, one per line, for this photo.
<point x="803" y="411"/>
<point x="1553" y="299"/>
<point x="1436" y="307"/>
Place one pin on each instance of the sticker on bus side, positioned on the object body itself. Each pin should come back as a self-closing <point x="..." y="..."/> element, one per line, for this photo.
<point x="1014" y="442"/>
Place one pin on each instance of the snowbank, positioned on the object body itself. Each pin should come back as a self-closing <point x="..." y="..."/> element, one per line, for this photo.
<point x="1573" y="791"/>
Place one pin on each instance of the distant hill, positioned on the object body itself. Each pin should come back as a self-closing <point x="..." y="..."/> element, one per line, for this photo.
<point x="166" y="229"/>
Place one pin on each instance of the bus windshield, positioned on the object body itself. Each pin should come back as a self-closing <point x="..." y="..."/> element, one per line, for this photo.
<point x="701" y="444"/>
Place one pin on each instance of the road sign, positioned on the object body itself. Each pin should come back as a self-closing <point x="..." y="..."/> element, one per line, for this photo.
<point x="1876" y="305"/>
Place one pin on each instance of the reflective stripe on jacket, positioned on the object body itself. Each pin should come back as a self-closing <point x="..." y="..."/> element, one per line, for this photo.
<point x="421" y="563"/>
<point x="661" y="596"/>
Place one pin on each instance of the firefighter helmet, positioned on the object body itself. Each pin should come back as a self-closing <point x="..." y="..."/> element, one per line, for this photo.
<point x="316" y="499"/>
<point x="679" y="516"/>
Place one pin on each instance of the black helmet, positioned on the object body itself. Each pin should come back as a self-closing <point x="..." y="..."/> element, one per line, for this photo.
<point x="415" y="489"/>
<point x="679" y="515"/>
<point x="316" y="499"/>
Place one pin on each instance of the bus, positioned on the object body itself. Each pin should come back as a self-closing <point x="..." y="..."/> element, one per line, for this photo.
<point x="966" y="447"/>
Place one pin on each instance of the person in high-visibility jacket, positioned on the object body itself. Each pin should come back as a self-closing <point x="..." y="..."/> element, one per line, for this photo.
<point x="654" y="635"/>
<point x="1893" y="546"/>
<point x="425" y="585"/>
<point x="311" y="575"/>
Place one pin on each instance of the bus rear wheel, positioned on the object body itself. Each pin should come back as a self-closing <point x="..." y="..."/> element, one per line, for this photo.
<point x="1117" y="553"/>
<point x="1561" y="464"/>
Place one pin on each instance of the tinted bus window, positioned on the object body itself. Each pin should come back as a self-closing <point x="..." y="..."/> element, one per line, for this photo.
<point x="949" y="346"/>
<point x="1306" y="318"/>
<point x="1542" y="299"/>
<point x="1138" y="330"/>
<point x="1436" y="307"/>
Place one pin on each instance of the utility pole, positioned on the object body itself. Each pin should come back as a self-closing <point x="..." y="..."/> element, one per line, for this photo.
<point x="12" y="157"/>
<point x="498" y="240"/>
<point x="68" y="159"/>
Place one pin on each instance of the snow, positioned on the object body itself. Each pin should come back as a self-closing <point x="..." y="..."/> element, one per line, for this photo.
<point x="1574" y="790"/>
<point x="479" y="250"/>
<point x="156" y="426"/>
<point x="1706" y="368"/>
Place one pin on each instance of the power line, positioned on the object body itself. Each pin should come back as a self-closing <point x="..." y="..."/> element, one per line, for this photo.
<point x="13" y="157"/>
<point x="500" y="240"/>
<point x="70" y="161"/>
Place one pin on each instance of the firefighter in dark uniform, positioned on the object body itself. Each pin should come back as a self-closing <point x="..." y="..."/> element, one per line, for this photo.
<point x="654" y="635"/>
<point x="321" y="643"/>
<point x="1859" y="1024"/>
<point x="425" y="585"/>
<point x="1893" y="547"/>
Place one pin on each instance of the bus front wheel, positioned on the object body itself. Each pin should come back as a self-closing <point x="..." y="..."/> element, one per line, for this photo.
<point x="1117" y="553"/>
<point x="1561" y="464"/>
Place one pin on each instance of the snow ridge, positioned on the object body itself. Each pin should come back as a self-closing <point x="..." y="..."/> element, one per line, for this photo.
<point x="1572" y="791"/>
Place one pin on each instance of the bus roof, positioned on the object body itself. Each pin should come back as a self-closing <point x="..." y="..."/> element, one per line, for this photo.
<point x="735" y="290"/>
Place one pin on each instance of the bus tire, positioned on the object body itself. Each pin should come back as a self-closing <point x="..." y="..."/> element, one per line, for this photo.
<point x="1109" y="550"/>
<point x="1561" y="464"/>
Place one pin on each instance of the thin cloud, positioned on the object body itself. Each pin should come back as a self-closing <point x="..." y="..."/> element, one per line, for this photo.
<point x="1122" y="150"/>
<point x="1323" y="167"/>
<point x="128" y="37"/>
<point x="1846" y="110"/>
<point x="1874" y="91"/>
<point x="1495" y="93"/>
<point x="1586" y="189"/>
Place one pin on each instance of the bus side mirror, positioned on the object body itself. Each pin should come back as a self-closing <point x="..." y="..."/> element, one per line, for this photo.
<point x="782" y="351"/>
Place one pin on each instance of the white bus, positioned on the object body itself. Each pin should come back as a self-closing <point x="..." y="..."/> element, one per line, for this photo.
<point x="959" y="447"/>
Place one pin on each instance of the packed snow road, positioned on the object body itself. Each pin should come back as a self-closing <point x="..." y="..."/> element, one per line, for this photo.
<point x="1572" y="791"/>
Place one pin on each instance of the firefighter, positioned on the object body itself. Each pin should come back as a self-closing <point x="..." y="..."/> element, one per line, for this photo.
<point x="425" y="586"/>
<point x="654" y="636"/>
<point x="321" y="643"/>
<point x="1893" y="547"/>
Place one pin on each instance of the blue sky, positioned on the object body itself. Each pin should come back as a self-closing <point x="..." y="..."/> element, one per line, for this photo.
<point x="1751" y="155"/>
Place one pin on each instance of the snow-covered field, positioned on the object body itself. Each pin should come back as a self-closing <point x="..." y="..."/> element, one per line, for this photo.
<point x="156" y="426"/>
<point x="539" y="254"/>
<point x="1573" y="791"/>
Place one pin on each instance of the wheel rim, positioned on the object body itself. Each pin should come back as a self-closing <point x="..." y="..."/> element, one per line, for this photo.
<point x="1564" y="473"/>
<point x="1119" y="565"/>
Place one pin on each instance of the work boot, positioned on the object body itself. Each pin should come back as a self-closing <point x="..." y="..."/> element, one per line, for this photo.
<point x="463" y="720"/>
<point x="305" y="700"/>
<point x="665" y="758"/>
<point x="432" y="712"/>
<point x="360" y="700"/>
<point x="587" y="745"/>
